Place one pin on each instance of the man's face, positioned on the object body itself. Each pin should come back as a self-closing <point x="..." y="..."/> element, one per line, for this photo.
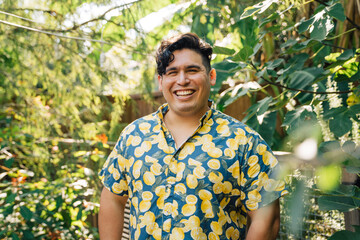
<point x="186" y="84"/>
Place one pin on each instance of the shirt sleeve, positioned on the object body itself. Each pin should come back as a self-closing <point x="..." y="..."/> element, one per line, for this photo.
<point x="260" y="183"/>
<point x="113" y="173"/>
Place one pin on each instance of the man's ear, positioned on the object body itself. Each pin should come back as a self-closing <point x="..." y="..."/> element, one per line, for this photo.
<point x="212" y="76"/>
<point x="160" y="81"/>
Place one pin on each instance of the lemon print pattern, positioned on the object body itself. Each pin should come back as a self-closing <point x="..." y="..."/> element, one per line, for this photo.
<point x="200" y="190"/>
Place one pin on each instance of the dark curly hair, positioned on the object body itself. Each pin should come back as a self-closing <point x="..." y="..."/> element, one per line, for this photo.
<point x="164" y="54"/>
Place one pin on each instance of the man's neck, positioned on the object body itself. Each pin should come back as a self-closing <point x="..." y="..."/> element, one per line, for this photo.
<point x="181" y="127"/>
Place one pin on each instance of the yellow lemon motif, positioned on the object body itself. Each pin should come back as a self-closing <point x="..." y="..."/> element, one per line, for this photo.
<point x="167" y="225"/>
<point x="216" y="228"/>
<point x="191" y="181"/>
<point x="191" y="199"/>
<point x="144" y="127"/>
<point x="235" y="170"/>
<point x="280" y="186"/>
<point x="147" y="196"/>
<point x="218" y="187"/>
<point x="188" y="209"/>
<point x="253" y="160"/>
<point x="232" y="143"/>
<point x="261" y="148"/>
<point x="204" y="129"/>
<point x="177" y="234"/>
<point x="147" y="219"/>
<point x="180" y="188"/>
<point x="156" y="169"/>
<point x="214" y="178"/>
<point x="235" y="235"/>
<point x="168" y="208"/>
<point x="160" y="190"/>
<point x="234" y="217"/>
<point x="253" y="171"/>
<point x="138" y="186"/>
<point x="116" y="174"/>
<point x="167" y="159"/>
<point x="194" y="221"/>
<point x="135" y="141"/>
<point x="144" y="206"/>
<point x="213" y="164"/>
<point x="205" y="194"/>
<point x="111" y="168"/>
<point x="213" y="236"/>
<point x="208" y="146"/>
<point x="139" y="151"/>
<point x="227" y="187"/>
<point x="119" y="187"/>
<point x="206" y="206"/>
<point x="150" y="159"/>
<point x="188" y="149"/>
<point x="270" y="185"/>
<point x="229" y="153"/>
<point x="269" y="159"/>
<point x="215" y="152"/>
<point x="129" y="140"/>
<point x="157" y="233"/>
<point x="149" y="178"/>
<point x="135" y="202"/>
<point x="195" y="232"/>
<point x="224" y="202"/>
<point x="229" y="232"/>
<point x="173" y="167"/>
<point x="146" y="146"/>
<point x="194" y="162"/>
<point x="251" y="205"/>
<point x="199" y="172"/>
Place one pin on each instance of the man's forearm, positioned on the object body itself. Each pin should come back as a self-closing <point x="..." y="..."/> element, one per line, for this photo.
<point x="111" y="216"/>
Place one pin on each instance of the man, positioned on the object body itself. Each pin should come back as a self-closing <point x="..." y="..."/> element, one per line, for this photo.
<point x="188" y="170"/>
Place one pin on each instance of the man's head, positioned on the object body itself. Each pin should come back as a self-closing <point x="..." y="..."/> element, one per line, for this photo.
<point x="191" y="41"/>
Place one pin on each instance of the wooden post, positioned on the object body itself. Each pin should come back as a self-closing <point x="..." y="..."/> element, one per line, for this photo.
<point x="351" y="217"/>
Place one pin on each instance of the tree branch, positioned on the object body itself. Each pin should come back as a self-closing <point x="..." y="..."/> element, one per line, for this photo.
<point x="296" y="89"/>
<point x="54" y="34"/>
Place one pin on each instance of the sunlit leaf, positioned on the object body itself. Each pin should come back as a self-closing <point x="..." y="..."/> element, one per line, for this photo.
<point x="337" y="11"/>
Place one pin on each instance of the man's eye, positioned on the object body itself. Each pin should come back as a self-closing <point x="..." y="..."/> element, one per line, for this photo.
<point x="193" y="70"/>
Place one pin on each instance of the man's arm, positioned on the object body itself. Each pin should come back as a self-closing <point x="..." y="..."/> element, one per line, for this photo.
<point x="111" y="215"/>
<point x="264" y="223"/>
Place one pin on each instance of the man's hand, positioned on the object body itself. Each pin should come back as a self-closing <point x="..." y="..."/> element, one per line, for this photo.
<point x="111" y="215"/>
<point x="264" y="223"/>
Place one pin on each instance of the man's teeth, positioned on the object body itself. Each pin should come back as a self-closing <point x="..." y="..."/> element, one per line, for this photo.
<point x="184" y="93"/>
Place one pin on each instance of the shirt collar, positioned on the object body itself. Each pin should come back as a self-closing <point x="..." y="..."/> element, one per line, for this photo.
<point x="165" y="107"/>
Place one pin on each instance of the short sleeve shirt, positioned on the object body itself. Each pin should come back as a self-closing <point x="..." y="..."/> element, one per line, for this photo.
<point x="201" y="190"/>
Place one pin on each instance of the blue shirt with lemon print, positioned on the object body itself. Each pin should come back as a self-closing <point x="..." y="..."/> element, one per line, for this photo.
<point x="201" y="190"/>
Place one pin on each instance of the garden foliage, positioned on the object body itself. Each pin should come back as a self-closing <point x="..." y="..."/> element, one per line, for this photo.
<point x="64" y="80"/>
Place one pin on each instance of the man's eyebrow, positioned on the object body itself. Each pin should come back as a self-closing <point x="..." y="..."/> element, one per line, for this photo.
<point x="170" y="69"/>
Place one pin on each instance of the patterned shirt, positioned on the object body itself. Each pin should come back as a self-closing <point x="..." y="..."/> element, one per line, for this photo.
<point x="201" y="190"/>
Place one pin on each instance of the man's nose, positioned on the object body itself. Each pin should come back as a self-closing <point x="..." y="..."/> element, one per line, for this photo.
<point x="182" y="79"/>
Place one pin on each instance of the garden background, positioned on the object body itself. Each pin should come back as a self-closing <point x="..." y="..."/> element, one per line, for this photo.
<point x="73" y="73"/>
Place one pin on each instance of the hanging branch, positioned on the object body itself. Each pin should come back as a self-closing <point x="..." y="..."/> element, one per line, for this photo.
<point x="297" y="89"/>
<point x="54" y="34"/>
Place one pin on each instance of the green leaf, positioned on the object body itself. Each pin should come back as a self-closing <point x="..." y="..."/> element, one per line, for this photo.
<point x="26" y="213"/>
<point x="243" y="54"/>
<point x="345" y="235"/>
<point x="340" y="125"/>
<point x="321" y="29"/>
<point x="341" y="203"/>
<point x="336" y="11"/>
<point x="304" y="26"/>
<point x="223" y="50"/>
<point x="260" y="7"/>
<point x="301" y="79"/>
<point x="11" y="198"/>
<point x="346" y="55"/>
<point x="258" y="109"/>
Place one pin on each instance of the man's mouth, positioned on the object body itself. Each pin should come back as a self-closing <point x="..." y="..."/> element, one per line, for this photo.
<point x="184" y="92"/>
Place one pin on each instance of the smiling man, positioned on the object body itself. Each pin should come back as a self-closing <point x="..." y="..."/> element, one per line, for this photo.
<point x="188" y="170"/>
